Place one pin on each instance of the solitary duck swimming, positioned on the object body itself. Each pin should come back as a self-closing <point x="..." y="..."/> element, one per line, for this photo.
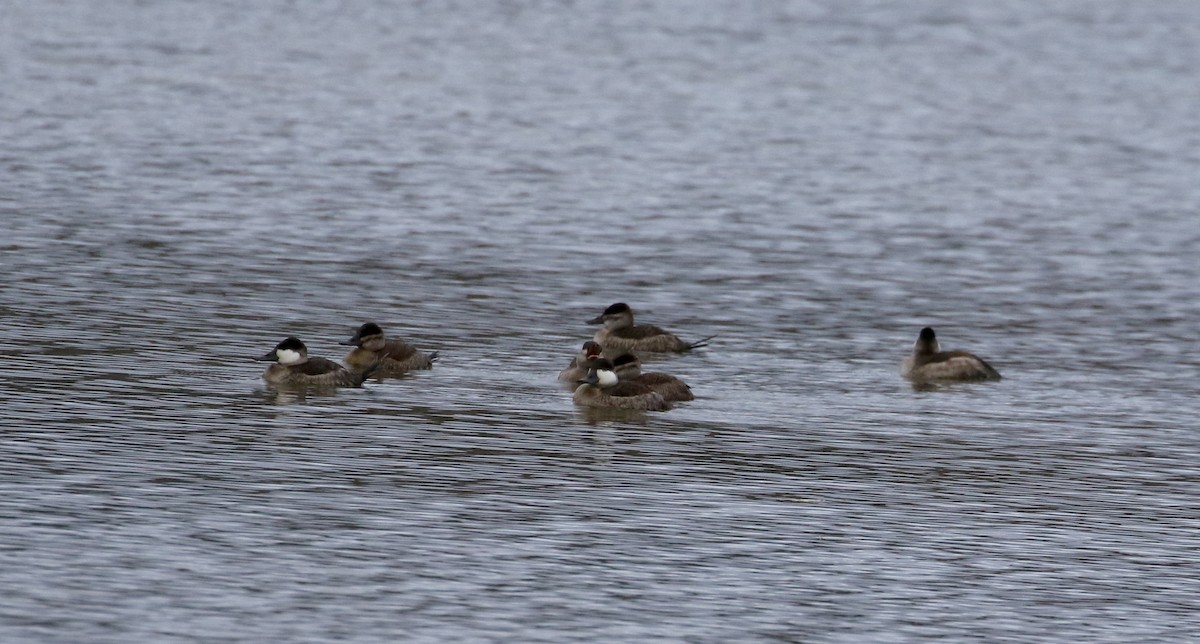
<point x="929" y="364"/>
<point x="621" y="335"/>
<point x="629" y="369"/>
<point x="294" y="367"/>
<point x="580" y="363"/>
<point x="395" y="357"/>
<point x="601" y="388"/>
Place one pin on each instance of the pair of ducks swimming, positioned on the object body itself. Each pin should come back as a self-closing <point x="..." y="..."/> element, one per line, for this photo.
<point x="373" y="355"/>
<point x="607" y="372"/>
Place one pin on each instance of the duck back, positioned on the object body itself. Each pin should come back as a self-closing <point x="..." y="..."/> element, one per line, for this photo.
<point x="625" y="395"/>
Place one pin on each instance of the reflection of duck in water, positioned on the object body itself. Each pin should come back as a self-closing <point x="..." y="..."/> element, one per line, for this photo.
<point x="601" y="388"/>
<point x="629" y="369"/>
<point x="580" y="363"/>
<point x="928" y="364"/>
<point x="296" y="394"/>
<point x="621" y="335"/>
<point x="395" y="357"/>
<point x="294" y="367"/>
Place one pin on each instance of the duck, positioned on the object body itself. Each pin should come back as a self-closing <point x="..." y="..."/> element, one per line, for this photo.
<point x="601" y="388"/>
<point x="629" y="369"/>
<point x="580" y="363"/>
<point x="395" y="357"/>
<point x="620" y="335"/>
<point x="293" y="366"/>
<point x="929" y="364"/>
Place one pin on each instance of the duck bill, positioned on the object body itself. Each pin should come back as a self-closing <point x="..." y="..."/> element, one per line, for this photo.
<point x="267" y="357"/>
<point x="599" y="319"/>
<point x="352" y="342"/>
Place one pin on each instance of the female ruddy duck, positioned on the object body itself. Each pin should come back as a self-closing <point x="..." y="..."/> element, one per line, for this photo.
<point x="621" y="335"/>
<point x="294" y="367"/>
<point x="629" y="369"/>
<point x="929" y="364"/>
<point x="395" y="357"/>
<point x="601" y="388"/>
<point x="580" y="363"/>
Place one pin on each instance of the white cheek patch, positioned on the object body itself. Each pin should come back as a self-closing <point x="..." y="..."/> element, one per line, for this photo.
<point x="606" y="378"/>
<point x="288" y="357"/>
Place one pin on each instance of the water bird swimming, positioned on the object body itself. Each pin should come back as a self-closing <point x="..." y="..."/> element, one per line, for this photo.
<point x="601" y="388"/>
<point x="394" y="357"/>
<point x="672" y="389"/>
<point x="620" y="335"/>
<point x="293" y="366"/>
<point x="929" y="364"/>
<point x="581" y="362"/>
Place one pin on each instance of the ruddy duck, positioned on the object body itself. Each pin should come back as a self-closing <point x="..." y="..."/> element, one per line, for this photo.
<point x="580" y="363"/>
<point x="629" y="369"/>
<point x="601" y="388"/>
<point x="621" y="335"/>
<point x="395" y="357"/>
<point x="928" y="364"/>
<point x="294" y="367"/>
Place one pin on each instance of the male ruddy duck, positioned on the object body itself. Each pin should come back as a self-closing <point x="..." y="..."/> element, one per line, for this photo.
<point x="601" y="388"/>
<point x="395" y="357"/>
<point x="621" y="335"/>
<point x="629" y="369"/>
<point x="929" y="364"/>
<point x="580" y="363"/>
<point x="294" y="367"/>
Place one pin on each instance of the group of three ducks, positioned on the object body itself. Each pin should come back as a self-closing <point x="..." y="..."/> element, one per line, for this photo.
<point x="605" y="373"/>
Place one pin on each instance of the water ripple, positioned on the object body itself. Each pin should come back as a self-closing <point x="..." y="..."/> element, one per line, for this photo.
<point x="810" y="184"/>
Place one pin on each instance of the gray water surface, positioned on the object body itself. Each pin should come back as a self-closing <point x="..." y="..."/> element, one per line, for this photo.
<point x="185" y="184"/>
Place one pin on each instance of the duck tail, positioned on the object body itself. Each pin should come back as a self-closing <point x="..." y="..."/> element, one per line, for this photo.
<point x="702" y="342"/>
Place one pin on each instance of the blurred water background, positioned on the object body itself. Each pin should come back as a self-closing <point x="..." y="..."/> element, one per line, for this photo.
<point x="183" y="184"/>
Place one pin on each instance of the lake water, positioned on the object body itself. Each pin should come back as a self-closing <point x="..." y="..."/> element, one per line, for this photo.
<point x="185" y="184"/>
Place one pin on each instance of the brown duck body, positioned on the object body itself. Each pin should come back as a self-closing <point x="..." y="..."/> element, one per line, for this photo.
<point x="294" y="367"/>
<point x="629" y="369"/>
<point x="620" y="335"/>
<point x="643" y="338"/>
<point x="394" y="357"/>
<point x="602" y="388"/>
<point x="929" y="364"/>
<point x="672" y="389"/>
<point x="624" y="395"/>
<point x="318" y="372"/>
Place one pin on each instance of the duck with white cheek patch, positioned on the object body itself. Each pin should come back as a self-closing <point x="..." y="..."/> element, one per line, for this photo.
<point x="601" y="388"/>
<point x="293" y="366"/>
